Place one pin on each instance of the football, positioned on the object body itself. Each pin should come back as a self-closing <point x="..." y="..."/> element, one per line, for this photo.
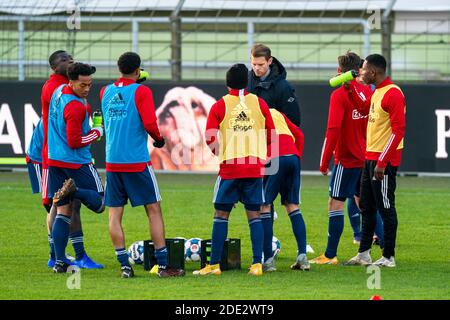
<point x="136" y="253"/>
<point x="192" y="249"/>
<point x="276" y="247"/>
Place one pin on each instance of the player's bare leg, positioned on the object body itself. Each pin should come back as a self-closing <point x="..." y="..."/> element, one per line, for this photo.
<point x="157" y="233"/>
<point x="115" y="227"/>
<point x="156" y="224"/>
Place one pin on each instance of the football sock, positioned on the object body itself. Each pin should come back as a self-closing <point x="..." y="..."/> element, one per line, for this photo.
<point x="78" y="244"/>
<point x="256" y="236"/>
<point x="335" y="228"/>
<point x="299" y="229"/>
<point x="52" y="246"/>
<point x="60" y="235"/>
<point x="219" y="235"/>
<point x="161" y="257"/>
<point x="266" y="220"/>
<point x="90" y="198"/>
<point x="354" y="216"/>
<point x="122" y="257"/>
<point x="379" y="229"/>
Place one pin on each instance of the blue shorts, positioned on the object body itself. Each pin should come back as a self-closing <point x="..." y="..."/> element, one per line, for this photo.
<point x="286" y="181"/>
<point x="35" y="175"/>
<point x="249" y="191"/>
<point x="140" y="187"/>
<point x="344" y="182"/>
<point x="86" y="177"/>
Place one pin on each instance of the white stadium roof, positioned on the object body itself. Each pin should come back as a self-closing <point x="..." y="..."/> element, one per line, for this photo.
<point x="42" y="7"/>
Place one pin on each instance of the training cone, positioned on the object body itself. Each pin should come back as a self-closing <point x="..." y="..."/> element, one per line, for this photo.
<point x="154" y="270"/>
<point x="376" y="298"/>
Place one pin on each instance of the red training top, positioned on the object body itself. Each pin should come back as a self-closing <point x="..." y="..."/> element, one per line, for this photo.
<point x="346" y="130"/>
<point x="53" y="82"/>
<point x="285" y="144"/>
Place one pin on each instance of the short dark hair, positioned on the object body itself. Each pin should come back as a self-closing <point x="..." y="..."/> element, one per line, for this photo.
<point x="76" y="69"/>
<point x="349" y="61"/>
<point x="54" y="58"/>
<point x="128" y="62"/>
<point x="260" y="50"/>
<point x="377" y="60"/>
<point x="237" y="76"/>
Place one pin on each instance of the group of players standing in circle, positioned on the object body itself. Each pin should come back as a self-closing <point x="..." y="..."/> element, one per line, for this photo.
<point x="364" y="134"/>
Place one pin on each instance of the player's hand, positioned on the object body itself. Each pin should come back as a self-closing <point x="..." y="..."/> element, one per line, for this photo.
<point x="347" y="86"/>
<point x="378" y="173"/>
<point x="160" y="143"/>
<point x="100" y="130"/>
<point x="324" y="171"/>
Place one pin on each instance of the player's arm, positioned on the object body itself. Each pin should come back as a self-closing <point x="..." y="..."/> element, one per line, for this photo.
<point x="394" y="104"/>
<point x="360" y="95"/>
<point x="44" y="101"/>
<point x="270" y="126"/>
<point x="335" y="117"/>
<point x="215" y="117"/>
<point x="102" y="91"/>
<point x="299" y="137"/>
<point x="288" y="104"/>
<point x="74" y="115"/>
<point x="146" y="108"/>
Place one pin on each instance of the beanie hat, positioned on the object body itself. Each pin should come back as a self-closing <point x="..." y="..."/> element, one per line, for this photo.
<point x="237" y="76"/>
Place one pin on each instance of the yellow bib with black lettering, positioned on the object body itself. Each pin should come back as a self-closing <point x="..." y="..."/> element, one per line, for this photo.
<point x="281" y="126"/>
<point x="379" y="129"/>
<point x="242" y="130"/>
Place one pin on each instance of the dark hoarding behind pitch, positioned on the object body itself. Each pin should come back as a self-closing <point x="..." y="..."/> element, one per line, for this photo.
<point x="182" y="109"/>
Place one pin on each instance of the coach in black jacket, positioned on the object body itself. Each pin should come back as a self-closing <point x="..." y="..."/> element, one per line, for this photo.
<point x="267" y="80"/>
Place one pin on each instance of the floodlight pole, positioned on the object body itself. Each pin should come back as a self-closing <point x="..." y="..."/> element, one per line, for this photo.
<point x="175" y="23"/>
<point x="386" y="37"/>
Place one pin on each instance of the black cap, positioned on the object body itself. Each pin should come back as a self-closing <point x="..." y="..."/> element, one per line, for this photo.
<point x="237" y="76"/>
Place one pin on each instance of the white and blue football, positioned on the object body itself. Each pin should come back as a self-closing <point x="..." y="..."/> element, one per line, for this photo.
<point x="276" y="247"/>
<point x="192" y="249"/>
<point x="136" y="253"/>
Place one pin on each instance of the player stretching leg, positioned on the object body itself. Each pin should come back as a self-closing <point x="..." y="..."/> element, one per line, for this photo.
<point x="58" y="61"/>
<point x="71" y="173"/>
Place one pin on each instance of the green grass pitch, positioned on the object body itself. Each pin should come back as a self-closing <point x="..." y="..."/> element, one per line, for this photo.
<point x="423" y="258"/>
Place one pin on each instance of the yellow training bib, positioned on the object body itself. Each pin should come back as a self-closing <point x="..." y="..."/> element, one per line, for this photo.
<point x="379" y="129"/>
<point x="242" y="130"/>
